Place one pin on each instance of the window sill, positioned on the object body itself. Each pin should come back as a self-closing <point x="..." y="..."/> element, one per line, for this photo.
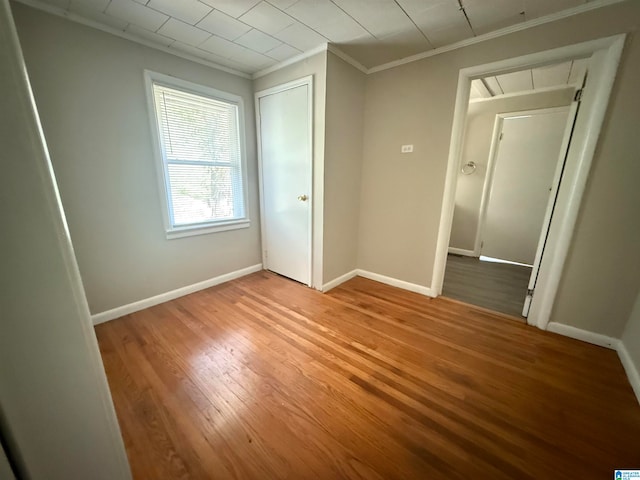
<point x="190" y="231"/>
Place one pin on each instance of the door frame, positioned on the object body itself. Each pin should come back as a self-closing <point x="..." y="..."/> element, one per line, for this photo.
<point x="612" y="48"/>
<point x="308" y="81"/>
<point x="491" y="163"/>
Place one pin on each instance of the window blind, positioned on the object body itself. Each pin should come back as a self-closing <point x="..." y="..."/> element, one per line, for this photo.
<point x="200" y="145"/>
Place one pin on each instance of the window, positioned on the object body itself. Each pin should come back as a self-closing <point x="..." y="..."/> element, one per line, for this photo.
<point x="198" y="134"/>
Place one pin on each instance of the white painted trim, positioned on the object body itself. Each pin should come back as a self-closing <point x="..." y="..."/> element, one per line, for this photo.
<point x="526" y="92"/>
<point x="290" y="61"/>
<point x="127" y="36"/>
<point x="462" y="251"/>
<point x="350" y="60"/>
<point x="313" y="248"/>
<point x="171" y="295"/>
<point x="583" y="335"/>
<point x="611" y="48"/>
<point x="630" y="368"/>
<point x="394" y="282"/>
<point x="498" y="33"/>
<point x="549" y="279"/>
<point x="339" y="280"/>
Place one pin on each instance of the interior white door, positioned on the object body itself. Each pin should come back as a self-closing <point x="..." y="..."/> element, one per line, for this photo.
<point x="551" y="202"/>
<point x="524" y="167"/>
<point x="285" y="153"/>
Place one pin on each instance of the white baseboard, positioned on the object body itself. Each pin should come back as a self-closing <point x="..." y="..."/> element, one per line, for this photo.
<point x="584" y="335"/>
<point x="165" y="297"/>
<point x="394" y="282"/>
<point x="337" y="281"/>
<point x="630" y="368"/>
<point x="462" y="251"/>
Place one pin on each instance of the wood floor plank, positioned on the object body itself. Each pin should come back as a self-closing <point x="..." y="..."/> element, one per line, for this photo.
<point x="264" y="378"/>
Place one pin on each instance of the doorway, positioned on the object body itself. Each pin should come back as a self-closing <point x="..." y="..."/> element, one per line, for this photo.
<point x="519" y="179"/>
<point x="285" y="167"/>
<point x="603" y="57"/>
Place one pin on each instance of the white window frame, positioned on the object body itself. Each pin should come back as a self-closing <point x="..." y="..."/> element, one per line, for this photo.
<point x="151" y="78"/>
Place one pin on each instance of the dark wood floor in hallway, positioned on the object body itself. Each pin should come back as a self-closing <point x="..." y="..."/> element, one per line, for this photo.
<point x="261" y="378"/>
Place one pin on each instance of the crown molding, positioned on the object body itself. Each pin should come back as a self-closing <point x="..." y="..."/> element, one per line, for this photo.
<point x="290" y="61"/>
<point x="59" y="12"/>
<point x="496" y="34"/>
<point x="350" y="60"/>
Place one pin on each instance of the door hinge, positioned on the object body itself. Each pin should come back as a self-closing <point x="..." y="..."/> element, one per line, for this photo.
<point x="578" y="95"/>
<point x="265" y="254"/>
<point x="530" y="292"/>
<point x="501" y="135"/>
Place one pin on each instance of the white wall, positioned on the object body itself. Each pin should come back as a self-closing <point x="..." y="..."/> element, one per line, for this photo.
<point x="90" y="92"/>
<point x="477" y="143"/>
<point x="342" y="167"/>
<point x="56" y="414"/>
<point x="316" y="66"/>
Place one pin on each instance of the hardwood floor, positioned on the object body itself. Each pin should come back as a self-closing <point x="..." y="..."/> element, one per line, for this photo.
<point x="501" y="287"/>
<point x="262" y="378"/>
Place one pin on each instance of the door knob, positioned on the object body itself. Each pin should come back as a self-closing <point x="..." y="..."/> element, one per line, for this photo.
<point x="302" y="198"/>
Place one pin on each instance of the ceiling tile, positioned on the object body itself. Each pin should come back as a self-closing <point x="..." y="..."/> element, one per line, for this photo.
<point x="258" y="41"/>
<point x="539" y="8"/>
<point x="380" y="17"/>
<point x="133" y="12"/>
<point x="99" y="5"/>
<point x="223" y="25"/>
<point x="221" y="46"/>
<point x="183" y="32"/>
<point x="448" y="35"/>
<point x="300" y="37"/>
<point x="441" y="21"/>
<point x="488" y="15"/>
<point x="267" y="18"/>
<point x="493" y="85"/>
<point x="551" y="75"/>
<point x="97" y="16"/>
<point x="189" y="11"/>
<point x="282" y="4"/>
<point x="150" y="36"/>
<point x="253" y="59"/>
<point x="211" y="57"/>
<point x="63" y="4"/>
<point x="578" y="71"/>
<point x="283" y="52"/>
<point x="516" y="81"/>
<point x="235" y="8"/>
<point x="327" y="19"/>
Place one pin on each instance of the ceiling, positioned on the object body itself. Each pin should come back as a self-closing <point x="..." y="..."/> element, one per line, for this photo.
<point x="569" y="73"/>
<point x="251" y="35"/>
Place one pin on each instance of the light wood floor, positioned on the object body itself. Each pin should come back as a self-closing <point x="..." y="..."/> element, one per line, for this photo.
<point x="501" y="287"/>
<point x="262" y="378"/>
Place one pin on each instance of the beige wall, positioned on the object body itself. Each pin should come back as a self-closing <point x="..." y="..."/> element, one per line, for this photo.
<point x="477" y="143"/>
<point x="316" y="66"/>
<point x="56" y="415"/>
<point x="631" y="336"/>
<point x="342" y="166"/>
<point x="90" y="92"/>
<point x="402" y="195"/>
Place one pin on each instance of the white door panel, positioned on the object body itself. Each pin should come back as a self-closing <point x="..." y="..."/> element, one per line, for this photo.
<point x="522" y="180"/>
<point x="286" y="181"/>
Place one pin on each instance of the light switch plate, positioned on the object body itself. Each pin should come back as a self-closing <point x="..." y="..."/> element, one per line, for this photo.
<point x="406" y="149"/>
